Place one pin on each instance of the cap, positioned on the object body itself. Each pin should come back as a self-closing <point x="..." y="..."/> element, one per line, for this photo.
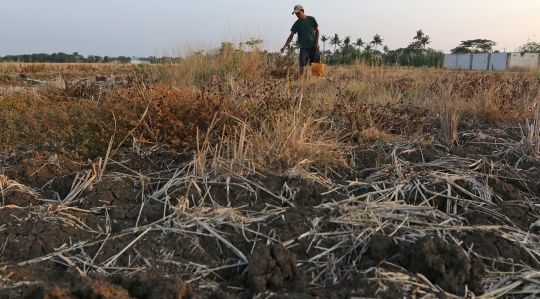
<point x="297" y="8"/>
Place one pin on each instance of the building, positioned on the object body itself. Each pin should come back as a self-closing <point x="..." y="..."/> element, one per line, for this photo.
<point x="139" y="60"/>
<point x="523" y="60"/>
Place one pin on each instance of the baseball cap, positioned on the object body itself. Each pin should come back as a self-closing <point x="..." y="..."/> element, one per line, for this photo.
<point x="297" y="8"/>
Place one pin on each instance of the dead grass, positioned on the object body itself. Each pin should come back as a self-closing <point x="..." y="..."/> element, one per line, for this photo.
<point x="262" y="116"/>
<point x="448" y="122"/>
<point x="66" y="70"/>
<point x="198" y="65"/>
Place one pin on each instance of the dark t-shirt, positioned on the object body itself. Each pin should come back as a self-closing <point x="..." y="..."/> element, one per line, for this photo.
<point x="307" y="36"/>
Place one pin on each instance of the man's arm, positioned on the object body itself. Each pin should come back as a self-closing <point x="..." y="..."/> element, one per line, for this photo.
<point x="287" y="43"/>
<point x="317" y="33"/>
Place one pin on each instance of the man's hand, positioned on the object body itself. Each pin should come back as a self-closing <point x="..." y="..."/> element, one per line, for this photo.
<point x="317" y="46"/>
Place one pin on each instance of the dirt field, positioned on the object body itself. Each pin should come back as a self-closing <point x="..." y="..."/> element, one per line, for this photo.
<point x="407" y="219"/>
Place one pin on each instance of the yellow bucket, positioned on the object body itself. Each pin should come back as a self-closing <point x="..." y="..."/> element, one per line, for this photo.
<point x="317" y="69"/>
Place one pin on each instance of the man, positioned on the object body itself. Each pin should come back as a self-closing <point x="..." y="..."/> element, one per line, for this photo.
<point x="308" y="37"/>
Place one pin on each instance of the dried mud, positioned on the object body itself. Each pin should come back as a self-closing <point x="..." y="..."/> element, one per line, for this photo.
<point x="121" y="237"/>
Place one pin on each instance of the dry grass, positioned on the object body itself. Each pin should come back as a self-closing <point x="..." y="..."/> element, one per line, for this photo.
<point x="531" y="134"/>
<point x="284" y="119"/>
<point x="198" y="65"/>
<point x="448" y="122"/>
<point x="66" y="70"/>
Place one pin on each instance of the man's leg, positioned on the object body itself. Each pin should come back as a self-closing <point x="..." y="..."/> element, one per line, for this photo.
<point x="303" y="60"/>
<point x="314" y="55"/>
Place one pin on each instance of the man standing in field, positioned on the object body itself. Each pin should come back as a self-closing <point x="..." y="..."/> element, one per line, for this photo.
<point x="308" y="37"/>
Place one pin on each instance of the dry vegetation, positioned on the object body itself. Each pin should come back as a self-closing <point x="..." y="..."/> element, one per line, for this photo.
<point x="410" y="166"/>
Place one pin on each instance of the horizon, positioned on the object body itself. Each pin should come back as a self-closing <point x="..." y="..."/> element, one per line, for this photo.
<point x="135" y="28"/>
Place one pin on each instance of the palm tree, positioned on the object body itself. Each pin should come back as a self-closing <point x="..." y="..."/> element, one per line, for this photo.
<point x="359" y="43"/>
<point x="386" y="49"/>
<point x="367" y="48"/>
<point x="324" y="39"/>
<point x="419" y="35"/>
<point x="347" y="42"/>
<point x="424" y="41"/>
<point x="335" y="41"/>
<point x="377" y="40"/>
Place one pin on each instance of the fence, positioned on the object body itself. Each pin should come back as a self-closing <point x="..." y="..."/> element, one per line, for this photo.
<point x="491" y="61"/>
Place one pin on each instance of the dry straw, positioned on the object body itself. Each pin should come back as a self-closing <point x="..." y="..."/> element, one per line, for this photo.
<point x="448" y="121"/>
<point x="531" y="135"/>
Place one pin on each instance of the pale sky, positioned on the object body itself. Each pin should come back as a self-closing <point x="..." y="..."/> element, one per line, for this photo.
<point x="165" y="27"/>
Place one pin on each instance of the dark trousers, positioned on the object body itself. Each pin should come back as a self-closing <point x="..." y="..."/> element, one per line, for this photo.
<point x="309" y="55"/>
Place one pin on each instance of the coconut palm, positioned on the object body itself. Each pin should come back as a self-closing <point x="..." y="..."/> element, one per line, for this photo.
<point x="359" y="43"/>
<point x="335" y="41"/>
<point x="347" y="42"/>
<point x="424" y="41"/>
<point x="386" y="49"/>
<point x="377" y="41"/>
<point x="324" y="39"/>
<point x="419" y="35"/>
<point x="367" y="48"/>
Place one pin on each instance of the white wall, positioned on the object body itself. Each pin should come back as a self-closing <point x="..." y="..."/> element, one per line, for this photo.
<point x="527" y="60"/>
<point x="480" y="61"/>
<point x="498" y="61"/>
<point x="450" y="61"/>
<point x="464" y="61"/>
<point x="139" y="62"/>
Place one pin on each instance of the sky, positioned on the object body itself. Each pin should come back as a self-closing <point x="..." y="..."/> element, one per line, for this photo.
<point x="174" y="27"/>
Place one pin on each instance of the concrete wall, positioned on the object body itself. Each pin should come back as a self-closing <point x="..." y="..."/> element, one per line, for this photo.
<point x="464" y="61"/>
<point x="480" y="61"/>
<point x="498" y="61"/>
<point x="525" y="60"/>
<point x="139" y="62"/>
<point x="450" y="61"/>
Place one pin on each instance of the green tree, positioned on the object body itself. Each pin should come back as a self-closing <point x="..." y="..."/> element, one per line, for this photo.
<point x="347" y="42"/>
<point x="474" y="46"/>
<point x="335" y="41"/>
<point x="419" y="35"/>
<point x="291" y="49"/>
<point x="76" y="56"/>
<point x="324" y="39"/>
<point x="425" y="40"/>
<point x="359" y="43"/>
<point x="367" y="48"/>
<point x="529" y="47"/>
<point x="254" y="42"/>
<point x="377" y="41"/>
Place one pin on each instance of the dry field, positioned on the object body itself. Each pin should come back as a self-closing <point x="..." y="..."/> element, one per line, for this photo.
<point x="231" y="177"/>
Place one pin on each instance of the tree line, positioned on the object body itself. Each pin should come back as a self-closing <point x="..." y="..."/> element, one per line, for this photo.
<point x="348" y="51"/>
<point x="417" y="53"/>
<point x="345" y="51"/>
<point x="63" y="57"/>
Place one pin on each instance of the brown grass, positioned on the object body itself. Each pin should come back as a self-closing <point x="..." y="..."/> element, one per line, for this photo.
<point x="262" y="117"/>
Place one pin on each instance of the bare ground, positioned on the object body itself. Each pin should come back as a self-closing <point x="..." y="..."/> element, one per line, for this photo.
<point x="406" y="221"/>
